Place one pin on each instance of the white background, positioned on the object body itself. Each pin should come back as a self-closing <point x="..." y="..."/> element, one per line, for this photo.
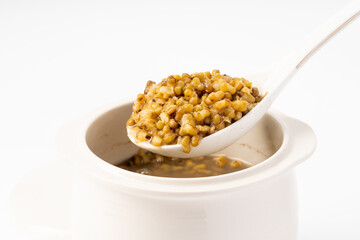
<point x="60" y="59"/>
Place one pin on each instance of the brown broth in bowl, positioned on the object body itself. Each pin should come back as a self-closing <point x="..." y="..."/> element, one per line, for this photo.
<point x="148" y="163"/>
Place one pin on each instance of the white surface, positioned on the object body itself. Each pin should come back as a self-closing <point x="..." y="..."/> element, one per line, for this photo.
<point x="61" y="59"/>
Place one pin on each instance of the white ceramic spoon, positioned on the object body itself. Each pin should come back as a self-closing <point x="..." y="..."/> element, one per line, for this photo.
<point x="272" y="81"/>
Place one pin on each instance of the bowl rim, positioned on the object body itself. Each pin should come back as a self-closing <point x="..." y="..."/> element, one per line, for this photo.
<point x="86" y="161"/>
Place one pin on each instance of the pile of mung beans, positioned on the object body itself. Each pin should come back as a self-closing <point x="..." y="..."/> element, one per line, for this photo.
<point x="184" y="109"/>
<point x="148" y="163"/>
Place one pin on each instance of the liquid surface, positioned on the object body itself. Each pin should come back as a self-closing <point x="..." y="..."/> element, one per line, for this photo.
<point x="148" y="163"/>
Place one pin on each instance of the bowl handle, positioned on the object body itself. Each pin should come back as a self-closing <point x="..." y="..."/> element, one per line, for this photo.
<point x="302" y="141"/>
<point x="67" y="140"/>
<point x="42" y="208"/>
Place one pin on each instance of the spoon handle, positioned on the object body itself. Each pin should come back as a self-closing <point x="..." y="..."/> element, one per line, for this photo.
<point x="290" y="64"/>
<point x="327" y="31"/>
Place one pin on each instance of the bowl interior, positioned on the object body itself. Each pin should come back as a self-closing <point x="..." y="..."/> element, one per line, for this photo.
<point x="107" y="138"/>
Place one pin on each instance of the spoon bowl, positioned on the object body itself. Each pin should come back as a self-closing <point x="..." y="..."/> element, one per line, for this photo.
<point x="221" y="139"/>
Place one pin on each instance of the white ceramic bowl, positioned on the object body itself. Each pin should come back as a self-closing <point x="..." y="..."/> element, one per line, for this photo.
<point x="258" y="203"/>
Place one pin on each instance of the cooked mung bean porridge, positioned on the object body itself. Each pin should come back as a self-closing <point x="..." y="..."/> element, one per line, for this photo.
<point x="184" y="109"/>
<point x="148" y="163"/>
